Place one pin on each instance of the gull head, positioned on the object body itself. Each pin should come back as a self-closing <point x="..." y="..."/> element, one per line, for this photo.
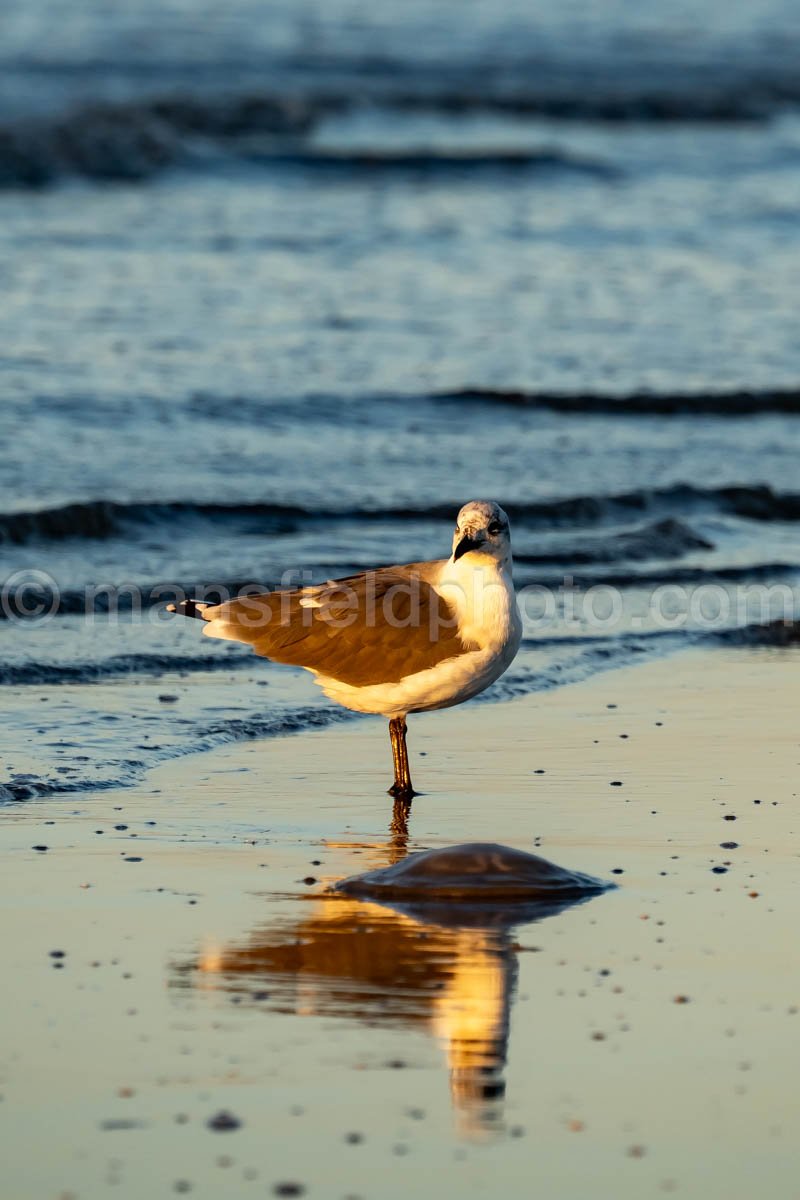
<point x="482" y="528"/>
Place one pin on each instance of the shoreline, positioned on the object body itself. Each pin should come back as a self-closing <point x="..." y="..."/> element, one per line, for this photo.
<point x="143" y="722"/>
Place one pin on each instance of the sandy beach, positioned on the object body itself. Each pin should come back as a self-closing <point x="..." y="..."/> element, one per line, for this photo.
<point x="187" y="1011"/>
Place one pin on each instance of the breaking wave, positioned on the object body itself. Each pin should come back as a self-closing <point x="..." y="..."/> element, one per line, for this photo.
<point x="136" y="140"/>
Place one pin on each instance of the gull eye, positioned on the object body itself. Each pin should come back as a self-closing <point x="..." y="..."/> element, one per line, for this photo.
<point x="495" y="527"/>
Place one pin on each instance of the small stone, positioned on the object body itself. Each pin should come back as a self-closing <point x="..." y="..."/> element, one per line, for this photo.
<point x="224" y="1122"/>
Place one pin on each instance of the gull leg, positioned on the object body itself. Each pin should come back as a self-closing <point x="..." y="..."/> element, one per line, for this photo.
<point x="394" y="734"/>
<point x="402" y="788"/>
<point x="408" y="787"/>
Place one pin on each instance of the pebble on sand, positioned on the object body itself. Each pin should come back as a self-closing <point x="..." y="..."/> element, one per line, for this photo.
<point x="223" y="1122"/>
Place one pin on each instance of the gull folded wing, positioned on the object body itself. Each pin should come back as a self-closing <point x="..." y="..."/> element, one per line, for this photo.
<point x="374" y="628"/>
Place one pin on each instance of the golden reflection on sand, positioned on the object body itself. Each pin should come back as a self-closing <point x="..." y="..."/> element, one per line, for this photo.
<point x="443" y="969"/>
<point x="359" y="960"/>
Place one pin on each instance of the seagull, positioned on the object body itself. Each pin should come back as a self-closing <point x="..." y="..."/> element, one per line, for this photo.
<point x="394" y="640"/>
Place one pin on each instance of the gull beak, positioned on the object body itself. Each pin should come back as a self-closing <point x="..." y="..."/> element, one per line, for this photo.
<point x="466" y="544"/>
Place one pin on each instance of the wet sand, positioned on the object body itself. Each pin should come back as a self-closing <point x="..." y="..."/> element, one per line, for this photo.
<point x="187" y="1013"/>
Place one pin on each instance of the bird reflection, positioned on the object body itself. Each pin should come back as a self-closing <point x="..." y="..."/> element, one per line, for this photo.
<point x="471" y="1018"/>
<point x="355" y="959"/>
<point x="397" y="845"/>
<point x="415" y="968"/>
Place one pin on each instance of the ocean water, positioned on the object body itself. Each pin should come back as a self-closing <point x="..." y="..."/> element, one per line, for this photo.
<point x="286" y="283"/>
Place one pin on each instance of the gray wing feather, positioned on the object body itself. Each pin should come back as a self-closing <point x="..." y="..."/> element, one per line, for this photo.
<point x="366" y="629"/>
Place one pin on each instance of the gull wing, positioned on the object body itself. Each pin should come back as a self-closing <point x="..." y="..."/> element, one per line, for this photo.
<point x="367" y="629"/>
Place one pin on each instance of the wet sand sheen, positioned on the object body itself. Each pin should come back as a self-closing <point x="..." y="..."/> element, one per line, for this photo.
<point x="634" y="1045"/>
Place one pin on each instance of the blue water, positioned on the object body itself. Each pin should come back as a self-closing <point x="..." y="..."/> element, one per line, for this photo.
<point x="285" y="283"/>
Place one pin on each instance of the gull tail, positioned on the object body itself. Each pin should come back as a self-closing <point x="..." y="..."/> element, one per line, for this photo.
<point x="215" y="624"/>
<point x="190" y="608"/>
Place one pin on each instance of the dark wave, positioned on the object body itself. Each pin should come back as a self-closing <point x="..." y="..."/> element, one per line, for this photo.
<point x="668" y="538"/>
<point x="773" y="633"/>
<point x="45" y="674"/>
<point x="721" y="101"/>
<point x="96" y="519"/>
<point x="756" y="503"/>
<point x="780" y="632"/>
<point x="638" y="404"/>
<point x="107" y="518"/>
<point x="34" y="787"/>
<point x="435" y="162"/>
<point x="596" y="654"/>
<point x="136" y="139"/>
<point x="133" y="141"/>
<point x="297" y="720"/>
<point x="658" y="576"/>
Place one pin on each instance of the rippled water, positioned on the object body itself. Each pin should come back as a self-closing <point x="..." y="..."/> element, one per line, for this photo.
<point x="284" y="284"/>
